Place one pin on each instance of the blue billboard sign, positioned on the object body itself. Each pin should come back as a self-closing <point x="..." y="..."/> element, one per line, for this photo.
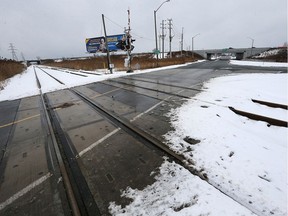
<point x="98" y="44"/>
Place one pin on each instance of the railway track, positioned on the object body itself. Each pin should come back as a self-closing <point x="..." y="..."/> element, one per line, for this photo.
<point x="80" y="197"/>
<point x="51" y="130"/>
<point x="160" y="83"/>
<point x="72" y="71"/>
<point x="122" y="123"/>
<point x="78" y="193"/>
<point x="254" y="116"/>
<point x="174" y="92"/>
<point x="83" y="200"/>
<point x="80" y="161"/>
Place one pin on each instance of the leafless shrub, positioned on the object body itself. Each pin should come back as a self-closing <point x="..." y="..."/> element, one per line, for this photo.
<point x="9" y="68"/>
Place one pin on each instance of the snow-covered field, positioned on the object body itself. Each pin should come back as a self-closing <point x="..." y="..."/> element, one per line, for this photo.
<point x="245" y="160"/>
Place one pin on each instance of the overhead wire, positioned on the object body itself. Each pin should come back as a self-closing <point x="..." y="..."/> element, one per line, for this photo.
<point x="114" y="22"/>
<point x="135" y="34"/>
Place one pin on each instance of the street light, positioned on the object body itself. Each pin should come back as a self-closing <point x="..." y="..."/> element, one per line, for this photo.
<point x="252" y="44"/>
<point x="193" y="44"/>
<point x="155" y="11"/>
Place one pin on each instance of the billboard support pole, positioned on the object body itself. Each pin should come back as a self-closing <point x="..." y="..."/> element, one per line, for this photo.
<point x="107" y="48"/>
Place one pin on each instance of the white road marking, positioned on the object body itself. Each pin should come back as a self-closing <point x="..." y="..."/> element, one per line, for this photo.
<point x="151" y="108"/>
<point x="113" y="132"/>
<point x="98" y="142"/>
<point x="24" y="191"/>
<point x="116" y="130"/>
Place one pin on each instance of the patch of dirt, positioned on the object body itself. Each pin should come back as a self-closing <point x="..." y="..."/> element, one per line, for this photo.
<point x="64" y="105"/>
<point x="191" y="140"/>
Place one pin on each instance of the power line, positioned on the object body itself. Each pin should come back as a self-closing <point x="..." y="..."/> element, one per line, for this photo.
<point x="23" y="57"/>
<point x="114" y="22"/>
<point x="135" y="34"/>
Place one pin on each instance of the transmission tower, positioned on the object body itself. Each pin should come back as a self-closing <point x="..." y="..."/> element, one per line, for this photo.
<point x="13" y="51"/>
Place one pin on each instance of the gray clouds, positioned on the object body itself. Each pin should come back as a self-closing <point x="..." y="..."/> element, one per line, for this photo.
<point x="58" y="28"/>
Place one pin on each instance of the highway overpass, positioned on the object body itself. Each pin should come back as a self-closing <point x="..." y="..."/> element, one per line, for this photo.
<point x="245" y="52"/>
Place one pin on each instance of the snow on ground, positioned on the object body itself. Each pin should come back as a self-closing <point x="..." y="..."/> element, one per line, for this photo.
<point x="268" y="53"/>
<point x="177" y="192"/>
<point x="244" y="158"/>
<point x="259" y="64"/>
<point x="19" y="86"/>
<point x="24" y="84"/>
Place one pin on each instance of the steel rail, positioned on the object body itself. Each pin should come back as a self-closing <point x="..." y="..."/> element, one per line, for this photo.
<point x="51" y="76"/>
<point x="70" y="69"/>
<point x="143" y="136"/>
<point x="161" y="83"/>
<point x="74" y="73"/>
<point x="80" y="198"/>
<point x="136" y="132"/>
<point x="152" y="141"/>
<point x="83" y="196"/>
<point x="151" y="89"/>
<point x="69" y="191"/>
<point x="157" y="98"/>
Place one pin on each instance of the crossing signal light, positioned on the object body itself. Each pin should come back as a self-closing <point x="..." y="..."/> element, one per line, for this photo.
<point x="126" y="44"/>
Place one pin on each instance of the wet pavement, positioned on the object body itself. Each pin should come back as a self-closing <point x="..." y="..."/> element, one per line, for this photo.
<point x="29" y="172"/>
<point x="108" y="158"/>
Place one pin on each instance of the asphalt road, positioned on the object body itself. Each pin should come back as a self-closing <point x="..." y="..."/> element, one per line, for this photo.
<point x="101" y="157"/>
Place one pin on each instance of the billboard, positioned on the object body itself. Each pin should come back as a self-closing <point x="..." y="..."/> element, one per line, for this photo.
<point x="98" y="44"/>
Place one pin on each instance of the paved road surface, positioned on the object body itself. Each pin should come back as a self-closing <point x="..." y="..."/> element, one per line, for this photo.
<point x="101" y="157"/>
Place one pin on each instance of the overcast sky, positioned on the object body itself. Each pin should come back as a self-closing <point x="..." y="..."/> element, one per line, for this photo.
<point x="58" y="28"/>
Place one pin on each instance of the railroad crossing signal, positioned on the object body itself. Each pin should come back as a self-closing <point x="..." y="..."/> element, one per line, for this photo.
<point x="126" y="43"/>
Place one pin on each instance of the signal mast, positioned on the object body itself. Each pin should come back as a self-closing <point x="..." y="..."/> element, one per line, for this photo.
<point x="129" y="47"/>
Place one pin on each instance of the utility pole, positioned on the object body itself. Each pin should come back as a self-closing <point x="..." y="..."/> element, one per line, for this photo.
<point x="160" y="38"/>
<point x="170" y="36"/>
<point x="13" y="51"/>
<point x="193" y="44"/>
<point x="182" y="41"/>
<point x="155" y="11"/>
<point x="107" y="48"/>
<point x="252" y="46"/>
<point x="163" y="37"/>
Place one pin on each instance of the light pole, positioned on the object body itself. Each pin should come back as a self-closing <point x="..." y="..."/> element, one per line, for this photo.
<point x="193" y="44"/>
<point x="252" y="44"/>
<point x="155" y="11"/>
